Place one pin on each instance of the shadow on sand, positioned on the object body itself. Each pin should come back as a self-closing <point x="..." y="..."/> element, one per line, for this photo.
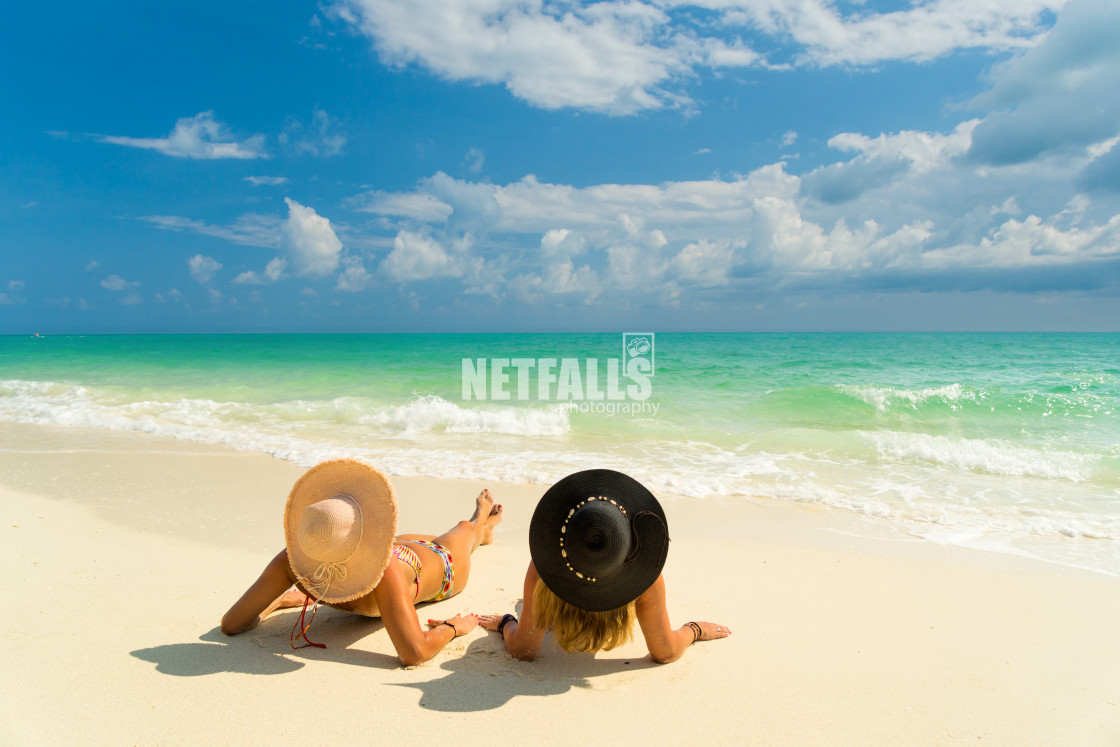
<point x="487" y="677"/>
<point x="266" y="648"/>
<point x="483" y="678"/>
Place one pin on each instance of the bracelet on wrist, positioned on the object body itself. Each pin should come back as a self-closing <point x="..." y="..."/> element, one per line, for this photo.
<point x="506" y="619"/>
<point x="454" y="630"/>
<point x="696" y="632"/>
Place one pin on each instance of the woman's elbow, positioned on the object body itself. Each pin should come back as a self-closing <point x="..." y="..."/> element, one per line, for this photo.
<point x="523" y="654"/>
<point x="411" y="660"/>
<point x="412" y="656"/>
<point x="664" y="657"/>
<point x="229" y="626"/>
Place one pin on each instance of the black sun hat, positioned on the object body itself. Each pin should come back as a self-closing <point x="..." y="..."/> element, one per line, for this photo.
<point x="598" y="539"/>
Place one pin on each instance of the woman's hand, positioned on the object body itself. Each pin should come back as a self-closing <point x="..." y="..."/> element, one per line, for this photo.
<point x="490" y="622"/>
<point x="711" y="631"/>
<point x="462" y="624"/>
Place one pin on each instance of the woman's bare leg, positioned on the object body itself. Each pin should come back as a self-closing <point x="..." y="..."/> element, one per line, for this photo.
<point x="268" y="593"/>
<point x="466" y="536"/>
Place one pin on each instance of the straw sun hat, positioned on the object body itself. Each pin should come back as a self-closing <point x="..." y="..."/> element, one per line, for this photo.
<point x="339" y="525"/>
<point x="598" y="539"/>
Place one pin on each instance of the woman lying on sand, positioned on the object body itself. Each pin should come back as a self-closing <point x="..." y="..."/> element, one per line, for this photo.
<point x="598" y="541"/>
<point x="339" y="550"/>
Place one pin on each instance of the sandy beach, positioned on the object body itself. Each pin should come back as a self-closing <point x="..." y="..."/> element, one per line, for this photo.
<point x="124" y="550"/>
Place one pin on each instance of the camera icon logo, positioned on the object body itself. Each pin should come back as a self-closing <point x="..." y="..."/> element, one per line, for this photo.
<point x="637" y="345"/>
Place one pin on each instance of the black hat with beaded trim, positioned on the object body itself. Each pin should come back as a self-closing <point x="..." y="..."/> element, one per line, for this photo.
<point x="598" y="539"/>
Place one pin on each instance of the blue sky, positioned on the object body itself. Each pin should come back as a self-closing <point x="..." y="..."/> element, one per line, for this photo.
<point x="374" y="165"/>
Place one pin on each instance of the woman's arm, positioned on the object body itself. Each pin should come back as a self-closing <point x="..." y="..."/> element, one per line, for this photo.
<point x="665" y="643"/>
<point x="414" y="645"/>
<point x="261" y="598"/>
<point x="522" y="637"/>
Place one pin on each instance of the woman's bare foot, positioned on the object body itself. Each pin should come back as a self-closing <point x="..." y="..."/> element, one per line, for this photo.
<point x="483" y="505"/>
<point x="492" y="521"/>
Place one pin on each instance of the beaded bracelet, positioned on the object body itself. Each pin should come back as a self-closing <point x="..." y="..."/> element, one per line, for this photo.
<point x="454" y="630"/>
<point x="696" y="632"/>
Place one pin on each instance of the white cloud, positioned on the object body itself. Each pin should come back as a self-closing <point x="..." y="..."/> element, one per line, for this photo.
<point x="117" y="283"/>
<point x="1033" y="242"/>
<point x="475" y="160"/>
<point x="267" y="181"/>
<point x="203" y="268"/>
<point x="612" y="57"/>
<point x="883" y="159"/>
<point x="415" y="206"/>
<point x="353" y="278"/>
<point x="913" y="207"/>
<point x="827" y="35"/>
<point x="200" y="136"/>
<point x="172" y="296"/>
<point x="322" y="137"/>
<point x="306" y="240"/>
<point x="417" y="257"/>
<point x="1060" y="97"/>
<point x="15" y="285"/>
<point x="273" y="271"/>
<point x="557" y="278"/>
<point x="625" y="56"/>
<point x="924" y="150"/>
<point x="249" y="230"/>
<point x="706" y="263"/>
<point x="311" y="244"/>
<point x="789" y="138"/>
<point x="560" y="242"/>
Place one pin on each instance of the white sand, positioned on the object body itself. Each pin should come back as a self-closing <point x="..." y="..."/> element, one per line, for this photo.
<point x="122" y="552"/>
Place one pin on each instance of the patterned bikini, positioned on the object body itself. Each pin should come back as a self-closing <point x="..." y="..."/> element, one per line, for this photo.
<point x="408" y="556"/>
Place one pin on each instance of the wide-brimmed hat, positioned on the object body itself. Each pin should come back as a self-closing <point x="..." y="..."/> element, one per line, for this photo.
<point x="339" y="525"/>
<point x="598" y="539"/>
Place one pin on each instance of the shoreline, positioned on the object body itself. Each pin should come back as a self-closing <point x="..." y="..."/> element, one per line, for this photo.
<point x="131" y="550"/>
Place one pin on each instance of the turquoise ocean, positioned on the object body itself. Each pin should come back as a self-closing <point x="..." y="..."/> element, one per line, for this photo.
<point x="1005" y="442"/>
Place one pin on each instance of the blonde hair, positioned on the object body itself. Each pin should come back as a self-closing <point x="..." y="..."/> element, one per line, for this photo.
<point x="580" y="630"/>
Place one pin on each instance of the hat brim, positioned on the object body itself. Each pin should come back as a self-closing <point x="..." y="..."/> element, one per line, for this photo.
<point x="373" y="492"/>
<point x="650" y="531"/>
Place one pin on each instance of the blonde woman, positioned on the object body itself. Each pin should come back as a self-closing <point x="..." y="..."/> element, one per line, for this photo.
<point x="340" y="550"/>
<point x="598" y="542"/>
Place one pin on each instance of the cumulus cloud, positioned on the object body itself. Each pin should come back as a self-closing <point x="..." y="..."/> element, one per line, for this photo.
<point x="200" y="136"/>
<point x="903" y="209"/>
<point x="273" y="271"/>
<point x="827" y="33"/>
<point x="880" y="160"/>
<point x="418" y="257"/>
<point x="117" y="283"/>
<point x="625" y="56"/>
<point x="203" y="267"/>
<point x="1062" y="96"/>
<point x="310" y="243"/>
<point x="307" y="242"/>
<point x="602" y="57"/>
<point x="353" y="278"/>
